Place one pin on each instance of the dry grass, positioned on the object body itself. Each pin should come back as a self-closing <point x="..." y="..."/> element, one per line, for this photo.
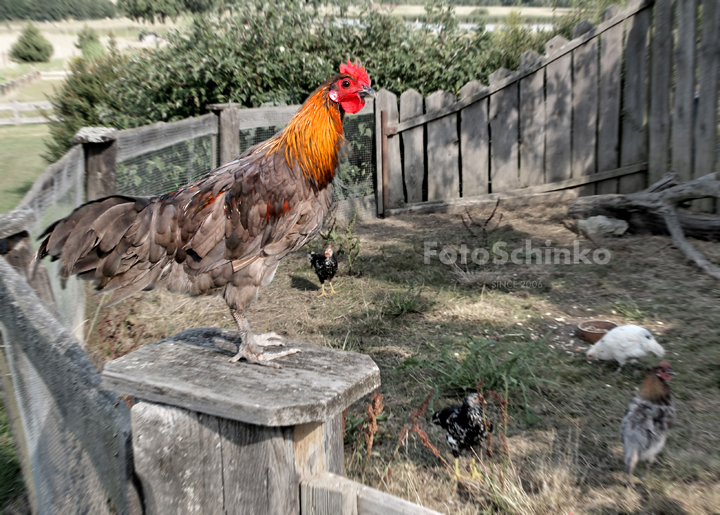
<point x="564" y="456"/>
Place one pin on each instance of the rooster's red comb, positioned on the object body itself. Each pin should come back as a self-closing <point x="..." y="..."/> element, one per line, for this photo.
<point x="356" y="70"/>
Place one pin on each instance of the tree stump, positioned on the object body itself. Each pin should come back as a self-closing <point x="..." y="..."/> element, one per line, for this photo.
<point x="210" y="436"/>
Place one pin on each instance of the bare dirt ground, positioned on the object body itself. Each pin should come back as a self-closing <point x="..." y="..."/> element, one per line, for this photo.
<point x="432" y="328"/>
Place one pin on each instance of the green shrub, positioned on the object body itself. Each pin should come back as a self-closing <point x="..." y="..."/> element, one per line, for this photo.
<point x="89" y="44"/>
<point x="81" y="100"/>
<point x="31" y="47"/>
<point x="274" y="52"/>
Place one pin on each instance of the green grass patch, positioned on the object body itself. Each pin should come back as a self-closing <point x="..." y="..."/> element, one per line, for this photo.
<point x="10" y="73"/>
<point x="21" y="149"/>
<point x="38" y="91"/>
<point x="11" y="482"/>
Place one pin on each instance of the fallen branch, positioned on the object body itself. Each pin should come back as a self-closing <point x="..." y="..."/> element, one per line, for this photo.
<point x="655" y="210"/>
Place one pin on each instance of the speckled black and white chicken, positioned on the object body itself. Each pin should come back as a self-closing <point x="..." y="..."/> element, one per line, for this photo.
<point x="649" y="416"/>
<point x="466" y="426"/>
<point x="326" y="266"/>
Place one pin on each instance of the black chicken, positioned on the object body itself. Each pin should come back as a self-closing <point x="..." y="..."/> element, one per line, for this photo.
<point x="326" y="266"/>
<point x="466" y="426"/>
<point x="649" y="416"/>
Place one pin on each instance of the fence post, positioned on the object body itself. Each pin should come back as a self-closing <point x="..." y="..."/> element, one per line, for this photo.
<point x="228" y="130"/>
<point x="210" y="436"/>
<point x="100" y="147"/>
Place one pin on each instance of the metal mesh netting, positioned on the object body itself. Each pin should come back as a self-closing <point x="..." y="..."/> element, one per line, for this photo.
<point x="164" y="170"/>
<point x="48" y="372"/>
<point x="355" y="176"/>
<point x="63" y="191"/>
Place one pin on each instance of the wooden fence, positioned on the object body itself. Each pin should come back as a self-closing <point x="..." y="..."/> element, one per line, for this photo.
<point x="7" y="87"/>
<point x="18" y="108"/>
<point x="599" y="113"/>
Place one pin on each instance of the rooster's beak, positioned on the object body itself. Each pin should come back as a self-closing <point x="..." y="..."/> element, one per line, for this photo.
<point x="367" y="91"/>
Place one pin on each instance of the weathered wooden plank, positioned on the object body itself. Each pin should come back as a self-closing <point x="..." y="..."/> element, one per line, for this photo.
<point x="585" y="109"/>
<point x="411" y="106"/>
<point x="312" y="386"/>
<point x="555" y="45"/>
<point x="442" y="150"/>
<point x="659" y="116"/>
<point x="532" y="130"/>
<point x="517" y="76"/>
<point x="178" y="458"/>
<point x="474" y="143"/>
<point x="100" y="148"/>
<point x="558" y="120"/>
<point x="135" y="142"/>
<point x="504" y="139"/>
<point x="309" y="449"/>
<point x="258" y="473"/>
<point x="609" y="110"/>
<point x="706" y="122"/>
<point x="684" y="95"/>
<point x="332" y="439"/>
<point x="375" y="502"/>
<point x="387" y="101"/>
<point x="532" y="195"/>
<point x="633" y="147"/>
<point x="328" y="494"/>
<point x="379" y="190"/>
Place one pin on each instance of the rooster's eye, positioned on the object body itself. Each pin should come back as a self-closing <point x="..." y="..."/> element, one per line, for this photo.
<point x="346" y="83"/>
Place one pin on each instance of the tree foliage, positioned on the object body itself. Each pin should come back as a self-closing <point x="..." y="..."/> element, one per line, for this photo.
<point x="89" y="44"/>
<point x="31" y="46"/>
<point x="275" y="52"/>
<point x="160" y="10"/>
<point x="55" y="10"/>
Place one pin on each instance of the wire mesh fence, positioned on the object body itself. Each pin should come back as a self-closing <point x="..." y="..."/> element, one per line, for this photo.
<point x="54" y="198"/>
<point x="355" y="176"/>
<point x="164" y="170"/>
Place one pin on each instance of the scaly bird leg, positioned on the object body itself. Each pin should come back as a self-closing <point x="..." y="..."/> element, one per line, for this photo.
<point x="474" y="471"/>
<point x="332" y="290"/>
<point x="322" y="293"/>
<point x="252" y="344"/>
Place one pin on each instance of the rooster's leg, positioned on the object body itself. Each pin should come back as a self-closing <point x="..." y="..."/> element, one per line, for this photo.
<point x="332" y="290"/>
<point x="322" y="290"/>
<point x="251" y="346"/>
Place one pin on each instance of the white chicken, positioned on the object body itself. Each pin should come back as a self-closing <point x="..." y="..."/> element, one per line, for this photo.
<point x="624" y="343"/>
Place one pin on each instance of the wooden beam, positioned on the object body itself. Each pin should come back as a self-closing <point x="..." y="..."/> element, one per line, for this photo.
<point x="329" y="380"/>
<point x="533" y="191"/>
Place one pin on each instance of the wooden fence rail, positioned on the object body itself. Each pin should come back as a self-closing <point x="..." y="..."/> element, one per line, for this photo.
<point x="18" y="108"/>
<point x="594" y="113"/>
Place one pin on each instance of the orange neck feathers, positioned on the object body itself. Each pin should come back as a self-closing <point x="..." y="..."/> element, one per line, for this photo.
<point x="312" y="139"/>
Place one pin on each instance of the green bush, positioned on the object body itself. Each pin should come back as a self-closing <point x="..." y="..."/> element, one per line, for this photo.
<point x="31" y="47"/>
<point x="274" y="52"/>
<point x="89" y="44"/>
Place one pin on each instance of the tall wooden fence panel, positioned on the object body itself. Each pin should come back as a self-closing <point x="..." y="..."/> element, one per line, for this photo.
<point x="608" y="112"/>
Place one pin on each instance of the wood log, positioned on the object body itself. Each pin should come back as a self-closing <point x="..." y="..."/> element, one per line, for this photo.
<point x="655" y="210"/>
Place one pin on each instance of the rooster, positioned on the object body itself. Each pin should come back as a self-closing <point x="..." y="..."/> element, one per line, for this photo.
<point x="649" y="416"/>
<point x="624" y="343"/>
<point x="226" y="230"/>
<point x="326" y="266"/>
<point x="466" y="426"/>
